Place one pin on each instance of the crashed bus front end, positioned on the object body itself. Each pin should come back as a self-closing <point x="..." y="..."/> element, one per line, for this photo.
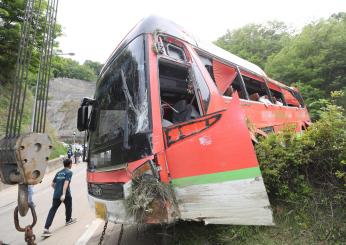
<point x="158" y="121"/>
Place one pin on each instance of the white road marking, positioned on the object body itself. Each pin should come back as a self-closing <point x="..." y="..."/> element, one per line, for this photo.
<point x="89" y="232"/>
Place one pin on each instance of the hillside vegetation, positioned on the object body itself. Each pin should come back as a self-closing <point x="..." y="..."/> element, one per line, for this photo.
<point x="5" y="96"/>
<point x="68" y="68"/>
<point x="312" y="60"/>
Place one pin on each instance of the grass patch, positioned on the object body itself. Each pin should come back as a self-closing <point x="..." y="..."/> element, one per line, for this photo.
<point x="58" y="149"/>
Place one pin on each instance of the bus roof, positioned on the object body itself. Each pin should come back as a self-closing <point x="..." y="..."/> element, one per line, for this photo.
<point x="156" y="24"/>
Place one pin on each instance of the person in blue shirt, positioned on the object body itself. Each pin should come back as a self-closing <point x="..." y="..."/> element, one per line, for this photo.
<point x="69" y="153"/>
<point x="62" y="193"/>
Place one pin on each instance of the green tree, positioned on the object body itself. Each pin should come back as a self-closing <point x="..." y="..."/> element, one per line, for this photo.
<point x="256" y="42"/>
<point x="315" y="57"/>
<point x="11" y="16"/>
<point x="94" y="65"/>
<point x="11" y="22"/>
<point x="65" y="67"/>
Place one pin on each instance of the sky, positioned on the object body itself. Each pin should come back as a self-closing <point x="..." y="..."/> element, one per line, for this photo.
<point x="93" y="28"/>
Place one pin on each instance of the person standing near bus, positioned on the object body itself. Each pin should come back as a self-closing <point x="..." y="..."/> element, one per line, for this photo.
<point x="62" y="193"/>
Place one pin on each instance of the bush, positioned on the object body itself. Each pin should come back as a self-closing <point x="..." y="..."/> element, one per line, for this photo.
<point x="294" y="165"/>
<point x="325" y="149"/>
<point x="58" y="149"/>
<point x="282" y="167"/>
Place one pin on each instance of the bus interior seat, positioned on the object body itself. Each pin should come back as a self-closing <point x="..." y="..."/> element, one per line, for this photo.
<point x="184" y="112"/>
<point x="175" y="92"/>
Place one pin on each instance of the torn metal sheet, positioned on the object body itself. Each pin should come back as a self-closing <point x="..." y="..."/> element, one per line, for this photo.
<point x="240" y="202"/>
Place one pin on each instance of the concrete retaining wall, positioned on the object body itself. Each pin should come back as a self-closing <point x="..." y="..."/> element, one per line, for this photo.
<point x="53" y="164"/>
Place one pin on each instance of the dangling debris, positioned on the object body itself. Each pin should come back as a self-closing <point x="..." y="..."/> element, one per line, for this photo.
<point x="151" y="200"/>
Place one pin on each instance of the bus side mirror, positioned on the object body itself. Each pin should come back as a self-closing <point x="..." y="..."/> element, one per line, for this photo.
<point x="82" y="119"/>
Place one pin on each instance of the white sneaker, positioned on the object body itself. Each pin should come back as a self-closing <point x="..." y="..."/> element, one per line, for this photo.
<point x="71" y="221"/>
<point x="46" y="233"/>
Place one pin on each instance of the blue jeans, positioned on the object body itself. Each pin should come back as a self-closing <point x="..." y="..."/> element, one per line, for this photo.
<point x="30" y="193"/>
<point x="54" y="208"/>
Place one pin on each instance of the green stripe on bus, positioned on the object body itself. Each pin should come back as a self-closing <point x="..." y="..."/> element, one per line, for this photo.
<point x="245" y="173"/>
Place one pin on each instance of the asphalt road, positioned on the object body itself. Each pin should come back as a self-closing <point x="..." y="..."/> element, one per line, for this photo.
<point x="87" y="230"/>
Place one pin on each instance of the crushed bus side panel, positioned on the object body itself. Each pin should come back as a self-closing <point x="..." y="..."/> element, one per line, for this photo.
<point x="216" y="176"/>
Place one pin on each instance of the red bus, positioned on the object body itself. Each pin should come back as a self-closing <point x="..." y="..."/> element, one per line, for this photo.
<point x="186" y="113"/>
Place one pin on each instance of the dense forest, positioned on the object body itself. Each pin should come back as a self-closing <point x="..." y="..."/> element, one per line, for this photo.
<point x="312" y="59"/>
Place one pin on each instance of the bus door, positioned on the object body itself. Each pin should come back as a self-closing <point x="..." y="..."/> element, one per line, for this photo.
<point x="214" y="170"/>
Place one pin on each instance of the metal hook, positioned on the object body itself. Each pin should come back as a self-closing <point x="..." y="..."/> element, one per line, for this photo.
<point x="23" y="204"/>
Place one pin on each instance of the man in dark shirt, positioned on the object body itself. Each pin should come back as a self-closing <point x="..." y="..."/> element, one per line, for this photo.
<point x="62" y="193"/>
<point x="69" y="153"/>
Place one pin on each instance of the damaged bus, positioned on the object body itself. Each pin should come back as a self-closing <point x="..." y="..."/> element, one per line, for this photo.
<point x="171" y="130"/>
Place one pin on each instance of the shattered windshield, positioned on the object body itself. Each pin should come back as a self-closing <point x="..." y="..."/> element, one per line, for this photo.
<point x="119" y="124"/>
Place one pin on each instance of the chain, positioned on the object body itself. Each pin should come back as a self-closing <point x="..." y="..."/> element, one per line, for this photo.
<point x="121" y="234"/>
<point x="103" y="233"/>
<point x="29" y="234"/>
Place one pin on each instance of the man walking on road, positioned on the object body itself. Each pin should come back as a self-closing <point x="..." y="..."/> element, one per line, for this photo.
<point x="62" y="193"/>
<point x="69" y="152"/>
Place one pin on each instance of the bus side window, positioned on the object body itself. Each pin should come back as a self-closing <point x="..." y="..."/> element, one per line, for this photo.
<point x="257" y="90"/>
<point x="208" y="64"/>
<point x="202" y="86"/>
<point x="225" y="77"/>
<point x="299" y="97"/>
<point x="290" y="99"/>
<point x="178" y="93"/>
<point x="278" y="98"/>
<point x="235" y="87"/>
